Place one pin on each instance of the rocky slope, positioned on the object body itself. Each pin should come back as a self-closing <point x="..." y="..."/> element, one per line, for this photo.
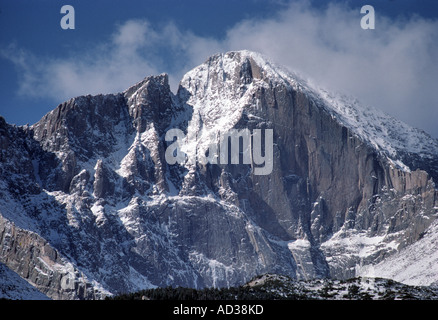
<point x="14" y="287"/>
<point x="90" y="207"/>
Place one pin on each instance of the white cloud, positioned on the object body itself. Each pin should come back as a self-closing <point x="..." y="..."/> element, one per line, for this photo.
<point x="134" y="51"/>
<point x="394" y="67"/>
<point x="108" y="67"/>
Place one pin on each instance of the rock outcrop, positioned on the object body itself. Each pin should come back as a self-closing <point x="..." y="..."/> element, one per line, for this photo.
<point x="87" y="196"/>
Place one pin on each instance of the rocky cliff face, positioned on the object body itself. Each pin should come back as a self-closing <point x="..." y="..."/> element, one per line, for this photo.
<point x="89" y="205"/>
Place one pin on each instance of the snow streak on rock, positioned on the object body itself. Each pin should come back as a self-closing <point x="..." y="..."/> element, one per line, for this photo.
<point x="88" y="192"/>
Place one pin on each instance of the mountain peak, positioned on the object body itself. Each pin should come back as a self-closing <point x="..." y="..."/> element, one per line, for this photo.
<point x="93" y="181"/>
<point x="237" y="71"/>
<point x="160" y="80"/>
<point x="242" y="65"/>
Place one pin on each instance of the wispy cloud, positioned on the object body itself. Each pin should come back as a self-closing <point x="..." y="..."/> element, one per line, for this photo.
<point x="394" y="67"/>
<point x="108" y="67"/>
<point x="135" y="50"/>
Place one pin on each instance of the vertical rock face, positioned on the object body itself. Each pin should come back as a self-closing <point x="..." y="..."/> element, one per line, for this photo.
<point x="35" y="260"/>
<point x="89" y="205"/>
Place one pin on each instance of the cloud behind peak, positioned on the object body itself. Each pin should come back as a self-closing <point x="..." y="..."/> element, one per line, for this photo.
<point x="394" y="67"/>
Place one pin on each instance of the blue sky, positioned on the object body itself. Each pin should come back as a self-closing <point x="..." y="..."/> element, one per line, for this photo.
<point x="117" y="43"/>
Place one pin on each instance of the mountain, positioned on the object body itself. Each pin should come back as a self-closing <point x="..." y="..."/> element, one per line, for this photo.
<point x="111" y="194"/>
<point x="13" y="287"/>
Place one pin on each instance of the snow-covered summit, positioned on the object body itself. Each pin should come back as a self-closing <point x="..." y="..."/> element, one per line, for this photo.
<point x="213" y="83"/>
<point x="90" y="204"/>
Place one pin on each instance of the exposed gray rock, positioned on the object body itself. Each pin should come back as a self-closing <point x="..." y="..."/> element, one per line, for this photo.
<point x="89" y="205"/>
<point x="36" y="261"/>
<point x="14" y="287"/>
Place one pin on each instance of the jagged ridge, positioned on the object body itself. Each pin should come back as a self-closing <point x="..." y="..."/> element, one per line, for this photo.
<point x="90" y="178"/>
